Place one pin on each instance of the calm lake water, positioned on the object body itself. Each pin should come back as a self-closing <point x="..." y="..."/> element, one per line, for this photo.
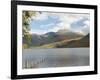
<point x="61" y="57"/>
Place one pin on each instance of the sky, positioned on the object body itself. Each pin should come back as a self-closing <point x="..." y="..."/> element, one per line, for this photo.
<point x="52" y="22"/>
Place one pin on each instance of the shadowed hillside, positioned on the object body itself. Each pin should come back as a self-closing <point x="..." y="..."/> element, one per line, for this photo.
<point x="60" y="39"/>
<point x="84" y="42"/>
<point x="53" y="37"/>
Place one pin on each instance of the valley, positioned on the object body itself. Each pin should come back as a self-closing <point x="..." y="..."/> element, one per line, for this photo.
<point x="59" y="39"/>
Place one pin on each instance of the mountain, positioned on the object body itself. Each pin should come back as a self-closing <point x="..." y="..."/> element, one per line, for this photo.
<point x="83" y="42"/>
<point x="36" y="40"/>
<point x="67" y="34"/>
<point x="52" y="37"/>
<point x="51" y="34"/>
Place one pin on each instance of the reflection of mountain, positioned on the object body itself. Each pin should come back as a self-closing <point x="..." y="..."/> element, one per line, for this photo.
<point x="52" y="37"/>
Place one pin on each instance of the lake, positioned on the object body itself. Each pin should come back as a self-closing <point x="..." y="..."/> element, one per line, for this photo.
<point x="60" y="57"/>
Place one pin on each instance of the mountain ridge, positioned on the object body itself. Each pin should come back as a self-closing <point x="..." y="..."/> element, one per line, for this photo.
<point x="50" y="37"/>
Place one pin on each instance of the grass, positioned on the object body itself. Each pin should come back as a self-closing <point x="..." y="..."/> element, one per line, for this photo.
<point x="25" y="46"/>
<point x="57" y="44"/>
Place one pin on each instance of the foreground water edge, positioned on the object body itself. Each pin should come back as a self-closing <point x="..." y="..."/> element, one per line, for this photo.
<point x="59" y="57"/>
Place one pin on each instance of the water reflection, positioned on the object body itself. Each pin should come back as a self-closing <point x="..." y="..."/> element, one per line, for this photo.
<point x="63" y="57"/>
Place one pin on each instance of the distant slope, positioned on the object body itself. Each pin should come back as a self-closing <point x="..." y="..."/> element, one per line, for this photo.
<point x="52" y="37"/>
<point x="38" y="40"/>
<point x="59" y="44"/>
<point x="84" y="42"/>
<point x="72" y="43"/>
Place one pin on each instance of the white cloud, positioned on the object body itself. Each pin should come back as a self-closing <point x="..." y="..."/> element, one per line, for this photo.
<point x="42" y="26"/>
<point x="66" y="20"/>
<point x="85" y="29"/>
<point x="40" y="16"/>
<point x="37" y="32"/>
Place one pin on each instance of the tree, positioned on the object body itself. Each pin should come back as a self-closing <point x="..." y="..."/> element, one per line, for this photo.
<point x="26" y="19"/>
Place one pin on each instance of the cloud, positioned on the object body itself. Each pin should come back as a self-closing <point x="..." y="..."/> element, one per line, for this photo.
<point x="40" y="16"/>
<point x="81" y="25"/>
<point x="47" y="25"/>
<point x="65" y="21"/>
<point x="86" y="28"/>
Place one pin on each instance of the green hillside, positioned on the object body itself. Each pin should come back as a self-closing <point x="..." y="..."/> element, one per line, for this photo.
<point x="72" y="43"/>
<point x="57" y="44"/>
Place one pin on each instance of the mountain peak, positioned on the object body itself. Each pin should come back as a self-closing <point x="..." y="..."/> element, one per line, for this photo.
<point x="63" y="30"/>
<point x="50" y="33"/>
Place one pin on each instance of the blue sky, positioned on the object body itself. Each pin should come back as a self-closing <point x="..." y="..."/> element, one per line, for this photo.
<point x="52" y="22"/>
<point x="80" y="24"/>
<point x="44" y="25"/>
